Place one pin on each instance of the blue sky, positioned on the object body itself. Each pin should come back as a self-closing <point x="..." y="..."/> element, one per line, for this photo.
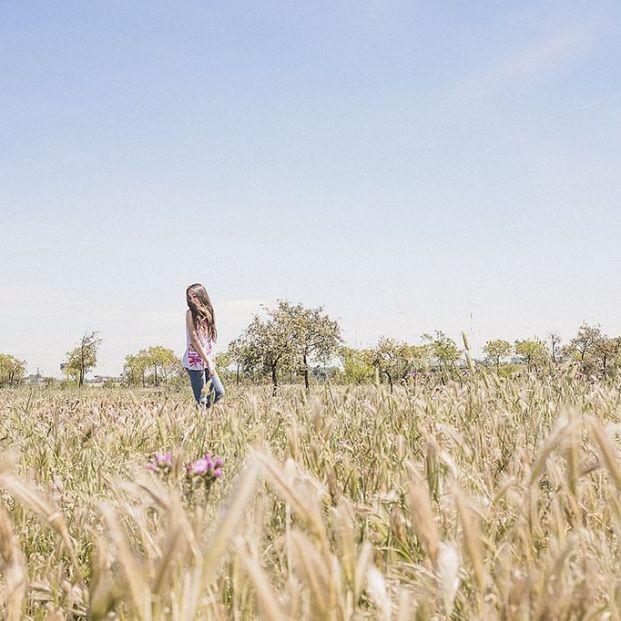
<point x="409" y="166"/>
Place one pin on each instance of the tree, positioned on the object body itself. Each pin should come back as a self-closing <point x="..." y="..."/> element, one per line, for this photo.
<point x="532" y="352"/>
<point x="288" y="339"/>
<point x="357" y="365"/>
<point x="270" y="343"/>
<point x="313" y="334"/>
<point x="12" y="370"/>
<point x="414" y="359"/>
<point x="583" y="345"/>
<point x="496" y="350"/>
<point x="245" y="358"/>
<point x="83" y="358"/>
<point x="135" y="368"/>
<point x="386" y="359"/>
<point x="555" y="342"/>
<point x="160" y="359"/>
<point x="607" y="352"/>
<point x="444" y="352"/>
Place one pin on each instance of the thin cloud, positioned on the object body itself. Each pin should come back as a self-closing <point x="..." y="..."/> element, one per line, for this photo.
<point x="60" y="245"/>
<point x="537" y="58"/>
<point x="601" y="101"/>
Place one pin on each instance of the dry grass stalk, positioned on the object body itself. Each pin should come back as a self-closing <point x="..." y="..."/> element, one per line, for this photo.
<point x="13" y="568"/>
<point x="376" y="588"/>
<point x="423" y="519"/>
<point x="305" y="508"/>
<point x="214" y="548"/>
<point x="270" y="607"/>
<point x="607" y="452"/>
<point x="134" y="579"/>
<point x="33" y="498"/>
<point x="448" y="575"/>
<point x="312" y="570"/>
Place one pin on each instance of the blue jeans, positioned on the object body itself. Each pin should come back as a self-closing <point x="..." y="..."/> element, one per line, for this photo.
<point x="214" y="385"/>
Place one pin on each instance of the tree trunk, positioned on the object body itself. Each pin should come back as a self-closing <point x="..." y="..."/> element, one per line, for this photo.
<point x="306" y="384"/>
<point x="82" y="369"/>
<point x="156" y="380"/>
<point x="274" y="380"/>
<point x="237" y="376"/>
<point x="389" y="380"/>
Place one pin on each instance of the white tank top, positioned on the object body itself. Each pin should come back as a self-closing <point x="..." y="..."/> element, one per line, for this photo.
<point x="191" y="358"/>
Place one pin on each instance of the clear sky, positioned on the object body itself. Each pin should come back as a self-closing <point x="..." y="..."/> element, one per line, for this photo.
<point x="409" y="166"/>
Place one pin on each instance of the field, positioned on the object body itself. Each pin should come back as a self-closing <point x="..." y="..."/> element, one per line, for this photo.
<point x="488" y="498"/>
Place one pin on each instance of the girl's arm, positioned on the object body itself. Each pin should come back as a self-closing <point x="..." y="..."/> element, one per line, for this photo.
<point x="196" y="344"/>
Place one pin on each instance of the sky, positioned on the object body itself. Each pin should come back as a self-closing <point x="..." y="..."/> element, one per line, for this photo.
<point x="408" y="166"/>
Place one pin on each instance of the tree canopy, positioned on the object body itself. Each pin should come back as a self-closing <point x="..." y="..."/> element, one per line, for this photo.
<point x="82" y="358"/>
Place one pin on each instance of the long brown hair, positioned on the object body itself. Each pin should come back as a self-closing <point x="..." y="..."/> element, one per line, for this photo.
<point x="203" y="315"/>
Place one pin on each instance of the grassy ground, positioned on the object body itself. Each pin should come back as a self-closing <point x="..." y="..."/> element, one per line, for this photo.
<point x="486" y="499"/>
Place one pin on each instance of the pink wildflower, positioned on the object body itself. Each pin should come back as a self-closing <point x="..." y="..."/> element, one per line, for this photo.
<point x="161" y="463"/>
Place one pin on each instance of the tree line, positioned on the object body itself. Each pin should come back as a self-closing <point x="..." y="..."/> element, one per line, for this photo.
<point x="293" y="343"/>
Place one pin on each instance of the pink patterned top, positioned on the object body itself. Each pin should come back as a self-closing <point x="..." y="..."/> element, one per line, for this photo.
<point x="191" y="358"/>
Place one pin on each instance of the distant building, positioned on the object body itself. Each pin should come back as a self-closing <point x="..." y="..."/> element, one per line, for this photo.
<point x="99" y="380"/>
<point x="35" y="379"/>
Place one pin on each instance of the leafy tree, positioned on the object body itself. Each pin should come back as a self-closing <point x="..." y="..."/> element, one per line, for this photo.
<point x="583" y="346"/>
<point x="313" y="334"/>
<point x="12" y="370"/>
<point x="357" y="365"/>
<point x="135" y="368"/>
<point x="82" y="358"/>
<point x="607" y="352"/>
<point x="245" y="358"/>
<point x="397" y="361"/>
<point x="162" y="360"/>
<point x="156" y="363"/>
<point x="386" y="359"/>
<point x="269" y="342"/>
<point x="532" y="352"/>
<point x="496" y="350"/>
<point x="444" y="352"/>
<point x="287" y="340"/>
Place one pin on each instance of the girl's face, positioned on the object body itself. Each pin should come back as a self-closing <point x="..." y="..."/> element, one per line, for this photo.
<point x="192" y="297"/>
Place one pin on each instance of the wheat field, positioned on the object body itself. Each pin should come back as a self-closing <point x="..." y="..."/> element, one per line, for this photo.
<point x="487" y="498"/>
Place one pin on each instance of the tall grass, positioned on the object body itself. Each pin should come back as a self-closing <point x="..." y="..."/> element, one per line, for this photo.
<point x="489" y="498"/>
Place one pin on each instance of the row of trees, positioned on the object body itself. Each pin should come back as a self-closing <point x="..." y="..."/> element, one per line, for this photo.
<point x="292" y="342"/>
<point x="290" y="337"/>
<point x="594" y="352"/>
<point x="154" y="365"/>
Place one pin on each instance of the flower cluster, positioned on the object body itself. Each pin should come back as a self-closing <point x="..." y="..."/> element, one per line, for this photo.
<point x="207" y="467"/>
<point x="200" y="474"/>
<point x="161" y="463"/>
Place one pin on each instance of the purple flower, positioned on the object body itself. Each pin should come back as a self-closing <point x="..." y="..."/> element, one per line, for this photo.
<point x="161" y="463"/>
<point x="163" y="459"/>
<point x="205" y="467"/>
<point x="199" y="467"/>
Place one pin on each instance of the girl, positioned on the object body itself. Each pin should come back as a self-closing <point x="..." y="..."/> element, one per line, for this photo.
<point x="199" y="356"/>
